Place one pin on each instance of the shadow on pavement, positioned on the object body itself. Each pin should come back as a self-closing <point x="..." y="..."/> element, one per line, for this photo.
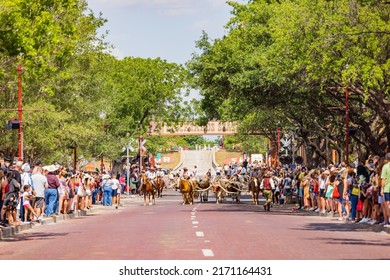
<point x="33" y="236"/>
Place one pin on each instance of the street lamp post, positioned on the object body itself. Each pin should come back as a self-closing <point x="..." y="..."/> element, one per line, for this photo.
<point x="278" y="147"/>
<point x="346" y="126"/>
<point x="139" y="150"/>
<point x="102" y="116"/>
<point x="20" y="114"/>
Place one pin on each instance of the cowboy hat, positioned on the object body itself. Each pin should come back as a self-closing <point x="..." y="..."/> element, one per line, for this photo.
<point x="52" y="168"/>
<point x="326" y="172"/>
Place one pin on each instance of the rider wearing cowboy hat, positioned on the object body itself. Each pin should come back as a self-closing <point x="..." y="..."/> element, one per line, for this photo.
<point x="160" y="173"/>
<point x="186" y="174"/>
<point x="151" y="175"/>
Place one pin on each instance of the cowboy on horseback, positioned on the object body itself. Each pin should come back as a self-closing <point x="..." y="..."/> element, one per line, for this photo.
<point x="160" y="173"/>
<point x="187" y="176"/>
<point x="152" y="175"/>
<point x="186" y="173"/>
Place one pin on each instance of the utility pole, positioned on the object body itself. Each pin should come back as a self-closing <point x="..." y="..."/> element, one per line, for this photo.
<point x="139" y="150"/>
<point x="75" y="157"/>
<point x="278" y="147"/>
<point x="127" y="169"/>
<point x="20" y="114"/>
<point x="346" y="127"/>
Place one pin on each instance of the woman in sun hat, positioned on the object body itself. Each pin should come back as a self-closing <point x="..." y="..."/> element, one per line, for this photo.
<point x="51" y="193"/>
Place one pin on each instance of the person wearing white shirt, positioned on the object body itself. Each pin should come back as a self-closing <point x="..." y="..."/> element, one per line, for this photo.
<point x="195" y="171"/>
<point x="186" y="173"/>
<point x="160" y="173"/>
<point x="116" y="187"/>
<point x="218" y="170"/>
<point x="152" y="175"/>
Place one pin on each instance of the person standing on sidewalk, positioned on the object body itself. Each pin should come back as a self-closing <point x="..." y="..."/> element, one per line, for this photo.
<point x="385" y="176"/>
<point x="106" y="185"/>
<point x="39" y="182"/>
<point x="51" y="193"/>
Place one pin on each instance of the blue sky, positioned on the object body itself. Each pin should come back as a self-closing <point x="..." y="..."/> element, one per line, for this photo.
<point x="161" y="28"/>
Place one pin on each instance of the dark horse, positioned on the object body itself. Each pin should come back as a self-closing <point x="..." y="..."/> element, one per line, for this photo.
<point x="148" y="190"/>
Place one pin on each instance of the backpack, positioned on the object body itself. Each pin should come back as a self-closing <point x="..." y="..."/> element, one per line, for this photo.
<point x="4" y="188"/>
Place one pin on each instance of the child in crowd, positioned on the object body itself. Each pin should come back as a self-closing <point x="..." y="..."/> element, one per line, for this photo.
<point x="27" y="198"/>
<point x="118" y="196"/>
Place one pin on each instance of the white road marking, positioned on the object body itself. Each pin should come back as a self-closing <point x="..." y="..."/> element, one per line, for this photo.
<point x="199" y="233"/>
<point x="207" y="253"/>
<point x="194" y="226"/>
<point x="195" y="222"/>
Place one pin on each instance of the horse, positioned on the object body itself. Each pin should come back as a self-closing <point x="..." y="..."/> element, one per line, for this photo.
<point x="254" y="188"/>
<point x="160" y="184"/>
<point x="187" y="191"/>
<point x="148" y="190"/>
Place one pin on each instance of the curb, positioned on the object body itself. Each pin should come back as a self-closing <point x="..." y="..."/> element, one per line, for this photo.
<point x="6" y="232"/>
<point x="374" y="228"/>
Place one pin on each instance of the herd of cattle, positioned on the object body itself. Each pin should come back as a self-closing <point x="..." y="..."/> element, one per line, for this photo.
<point x="194" y="188"/>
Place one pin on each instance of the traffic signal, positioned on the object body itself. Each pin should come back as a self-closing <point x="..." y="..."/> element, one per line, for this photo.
<point x="299" y="160"/>
<point x="352" y="131"/>
<point x="13" y="124"/>
<point x="285" y="160"/>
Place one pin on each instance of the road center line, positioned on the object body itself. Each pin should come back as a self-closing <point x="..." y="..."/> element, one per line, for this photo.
<point x="199" y="233"/>
<point x="207" y="253"/>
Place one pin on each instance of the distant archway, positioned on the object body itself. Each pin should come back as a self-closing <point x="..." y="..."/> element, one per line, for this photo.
<point x="189" y="128"/>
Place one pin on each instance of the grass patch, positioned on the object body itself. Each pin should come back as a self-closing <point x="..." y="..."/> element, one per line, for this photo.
<point x="220" y="156"/>
<point x="174" y="159"/>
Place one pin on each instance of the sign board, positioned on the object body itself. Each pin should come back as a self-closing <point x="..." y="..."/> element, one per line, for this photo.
<point x="163" y="159"/>
<point x="90" y="167"/>
<point x="233" y="160"/>
<point x="189" y="128"/>
<point x="257" y="157"/>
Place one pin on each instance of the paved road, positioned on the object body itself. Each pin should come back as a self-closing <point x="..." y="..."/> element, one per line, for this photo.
<point x="171" y="231"/>
<point x="202" y="159"/>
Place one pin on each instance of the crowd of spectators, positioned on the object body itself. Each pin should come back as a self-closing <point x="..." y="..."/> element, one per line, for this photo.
<point x="31" y="192"/>
<point x="359" y="192"/>
<point x="355" y="193"/>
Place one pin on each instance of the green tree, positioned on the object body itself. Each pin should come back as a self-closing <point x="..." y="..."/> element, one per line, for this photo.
<point x="292" y="60"/>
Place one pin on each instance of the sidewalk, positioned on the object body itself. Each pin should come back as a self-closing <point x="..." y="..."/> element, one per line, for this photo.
<point x="9" y="231"/>
<point x="332" y="218"/>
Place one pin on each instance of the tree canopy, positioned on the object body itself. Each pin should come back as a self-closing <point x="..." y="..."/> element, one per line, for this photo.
<point x="74" y="91"/>
<point x="289" y="63"/>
